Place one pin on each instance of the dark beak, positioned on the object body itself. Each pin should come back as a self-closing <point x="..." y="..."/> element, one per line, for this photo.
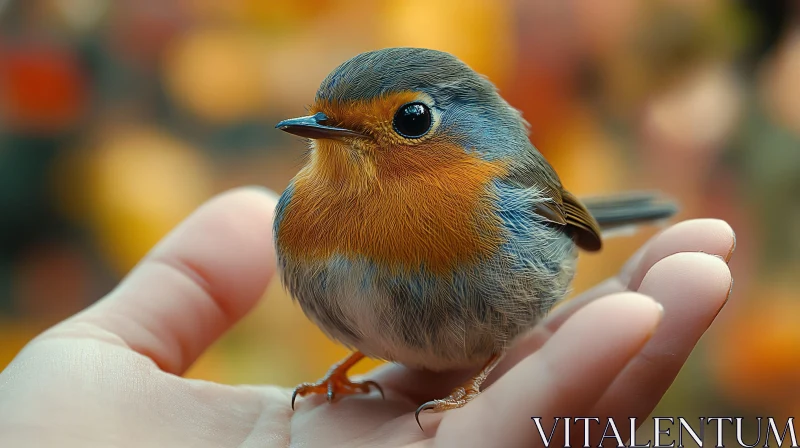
<point x="313" y="127"/>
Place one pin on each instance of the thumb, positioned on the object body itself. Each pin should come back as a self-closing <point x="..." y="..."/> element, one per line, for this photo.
<point x="193" y="286"/>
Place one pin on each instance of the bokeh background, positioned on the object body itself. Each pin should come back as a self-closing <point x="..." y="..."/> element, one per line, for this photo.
<point x="118" y="118"/>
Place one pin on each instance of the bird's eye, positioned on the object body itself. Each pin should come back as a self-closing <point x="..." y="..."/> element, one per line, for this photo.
<point x="413" y="120"/>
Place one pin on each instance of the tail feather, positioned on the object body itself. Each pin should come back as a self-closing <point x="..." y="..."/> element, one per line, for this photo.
<point x="624" y="210"/>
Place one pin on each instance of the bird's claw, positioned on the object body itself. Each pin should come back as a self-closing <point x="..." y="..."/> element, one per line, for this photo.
<point x="457" y="399"/>
<point x="424" y="407"/>
<point x="294" y="395"/>
<point x="334" y="386"/>
<point x="376" y="386"/>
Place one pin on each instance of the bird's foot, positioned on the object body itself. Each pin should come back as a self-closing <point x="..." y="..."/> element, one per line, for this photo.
<point x="335" y="386"/>
<point x="458" y="398"/>
<point x="461" y="395"/>
<point x="336" y="383"/>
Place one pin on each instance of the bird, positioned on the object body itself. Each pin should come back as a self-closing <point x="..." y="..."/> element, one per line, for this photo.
<point x="425" y="228"/>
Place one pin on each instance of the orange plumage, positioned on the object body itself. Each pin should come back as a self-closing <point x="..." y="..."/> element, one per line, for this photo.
<point x="424" y="205"/>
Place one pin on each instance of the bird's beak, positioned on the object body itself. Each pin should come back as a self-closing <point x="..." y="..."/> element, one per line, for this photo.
<point x="313" y="127"/>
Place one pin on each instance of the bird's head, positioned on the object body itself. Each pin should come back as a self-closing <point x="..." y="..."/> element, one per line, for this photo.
<point x="396" y="112"/>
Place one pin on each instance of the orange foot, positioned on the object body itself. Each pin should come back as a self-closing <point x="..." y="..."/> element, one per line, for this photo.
<point x="335" y="383"/>
<point x="461" y="395"/>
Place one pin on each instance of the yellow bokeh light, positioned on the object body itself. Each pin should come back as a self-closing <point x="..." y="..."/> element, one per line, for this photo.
<point x="216" y="73"/>
<point x="466" y="28"/>
<point x="141" y="183"/>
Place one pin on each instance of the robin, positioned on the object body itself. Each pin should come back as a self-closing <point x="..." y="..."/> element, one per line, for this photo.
<point x="425" y="228"/>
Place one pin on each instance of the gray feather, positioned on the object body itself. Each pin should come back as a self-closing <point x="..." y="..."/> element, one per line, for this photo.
<point x="627" y="209"/>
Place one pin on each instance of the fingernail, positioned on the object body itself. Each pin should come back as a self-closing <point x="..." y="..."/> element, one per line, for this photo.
<point x="733" y="247"/>
<point x="730" y="290"/>
<point x="727" y="297"/>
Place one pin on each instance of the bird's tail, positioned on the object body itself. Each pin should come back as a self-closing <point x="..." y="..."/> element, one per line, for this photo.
<point x="621" y="214"/>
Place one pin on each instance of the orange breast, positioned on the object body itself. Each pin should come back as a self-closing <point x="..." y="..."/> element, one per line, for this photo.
<point x="423" y="207"/>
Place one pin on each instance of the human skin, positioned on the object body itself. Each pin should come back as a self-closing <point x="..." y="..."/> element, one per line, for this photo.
<point x="110" y="376"/>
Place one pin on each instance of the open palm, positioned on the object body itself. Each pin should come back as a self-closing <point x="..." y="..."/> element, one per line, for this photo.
<point x="110" y="375"/>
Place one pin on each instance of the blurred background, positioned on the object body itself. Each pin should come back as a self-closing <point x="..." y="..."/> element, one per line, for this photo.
<point x="118" y="118"/>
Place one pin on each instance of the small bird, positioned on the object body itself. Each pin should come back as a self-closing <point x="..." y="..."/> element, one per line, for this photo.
<point x="425" y="228"/>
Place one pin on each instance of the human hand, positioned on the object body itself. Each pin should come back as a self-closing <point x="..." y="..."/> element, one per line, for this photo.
<point x="110" y="375"/>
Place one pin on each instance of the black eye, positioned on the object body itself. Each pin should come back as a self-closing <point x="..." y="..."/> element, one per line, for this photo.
<point x="413" y="120"/>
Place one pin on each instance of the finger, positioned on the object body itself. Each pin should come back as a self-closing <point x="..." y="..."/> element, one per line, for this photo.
<point x="565" y="378"/>
<point x="693" y="288"/>
<point x="194" y="285"/>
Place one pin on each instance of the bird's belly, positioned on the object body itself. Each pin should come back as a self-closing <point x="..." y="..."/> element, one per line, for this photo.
<point x="389" y="322"/>
<point x="362" y="323"/>
<point x="420" y="319"/>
